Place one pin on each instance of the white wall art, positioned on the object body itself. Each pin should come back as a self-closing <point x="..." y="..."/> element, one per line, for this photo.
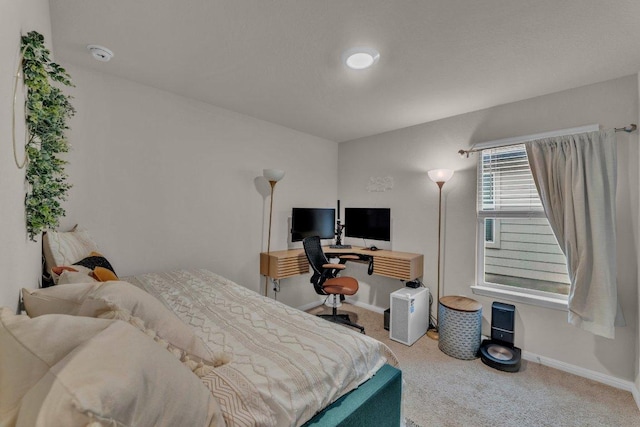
<point x="380" y="184"/>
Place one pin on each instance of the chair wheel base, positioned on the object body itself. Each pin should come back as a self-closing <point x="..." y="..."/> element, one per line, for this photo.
<point x="342" y="319"/>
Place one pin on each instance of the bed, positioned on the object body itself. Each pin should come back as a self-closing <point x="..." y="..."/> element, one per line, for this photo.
<point x="262" y="363"/>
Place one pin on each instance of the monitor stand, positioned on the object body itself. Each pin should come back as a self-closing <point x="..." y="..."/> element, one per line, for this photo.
<point x="339" y="244"/>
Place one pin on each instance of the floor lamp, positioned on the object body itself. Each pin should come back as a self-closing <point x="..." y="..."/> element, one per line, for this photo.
<point x="439" y="176"/>
<point x="273" y="176"/>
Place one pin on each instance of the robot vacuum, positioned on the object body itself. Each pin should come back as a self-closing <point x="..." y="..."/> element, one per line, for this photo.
<point x="499" y="351"/>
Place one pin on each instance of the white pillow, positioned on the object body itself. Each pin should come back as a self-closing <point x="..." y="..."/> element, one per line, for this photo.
<point x="66" y="247"/>
<point x="119" y="377"/>
<point x="80" y="276"/>
<point x="28" y="347"/>
<point x="94" y="299"/>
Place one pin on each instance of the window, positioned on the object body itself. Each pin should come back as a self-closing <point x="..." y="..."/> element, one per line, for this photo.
<point x="489" y="230"/>
<point x="492" y="233"/>
<point x="517" y="250"/>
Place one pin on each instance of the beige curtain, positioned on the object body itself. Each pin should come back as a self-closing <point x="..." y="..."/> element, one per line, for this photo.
<point x="576" y="179"/>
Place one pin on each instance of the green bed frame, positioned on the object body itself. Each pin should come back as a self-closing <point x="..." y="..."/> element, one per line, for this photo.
<point x="377" y="402"/>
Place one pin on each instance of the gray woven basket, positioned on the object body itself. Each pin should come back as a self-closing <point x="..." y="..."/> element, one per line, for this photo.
<point x="459" y="332"/>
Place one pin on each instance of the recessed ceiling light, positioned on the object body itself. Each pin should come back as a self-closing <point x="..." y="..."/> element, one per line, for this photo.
<point x="359" y="58"/>
<point x="100" y="53"/>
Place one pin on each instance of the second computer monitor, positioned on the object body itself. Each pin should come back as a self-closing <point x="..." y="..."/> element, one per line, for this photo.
<point x="368" y="223"/>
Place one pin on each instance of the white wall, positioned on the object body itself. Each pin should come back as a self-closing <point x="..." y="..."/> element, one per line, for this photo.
<point x="636" y="391"/>
<point x="407" y="154"/>
<point x="165" y="182"/>
<point x="19" y="257"/>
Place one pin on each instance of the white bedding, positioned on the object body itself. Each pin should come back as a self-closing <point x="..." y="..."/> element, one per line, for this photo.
<point x="284" y="365"/>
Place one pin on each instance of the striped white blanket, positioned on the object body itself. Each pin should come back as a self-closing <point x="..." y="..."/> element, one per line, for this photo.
<point x="285" y="365"/>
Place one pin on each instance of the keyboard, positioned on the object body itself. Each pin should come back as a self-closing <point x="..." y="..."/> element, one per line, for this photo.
<point x="340" y="246"/>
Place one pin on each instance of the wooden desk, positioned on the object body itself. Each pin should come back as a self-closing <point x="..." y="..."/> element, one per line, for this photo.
<point x="293" y="262"/>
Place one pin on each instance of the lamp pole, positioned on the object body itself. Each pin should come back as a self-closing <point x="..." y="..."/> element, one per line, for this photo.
<point x="439" y="176"/>
<point x="273" y="176"/>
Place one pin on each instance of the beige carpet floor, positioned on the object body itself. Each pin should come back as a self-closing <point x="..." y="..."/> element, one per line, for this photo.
<point x="443" y="391"/>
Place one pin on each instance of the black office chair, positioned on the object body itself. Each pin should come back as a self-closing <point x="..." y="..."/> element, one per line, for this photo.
<point x="326" y="281"/>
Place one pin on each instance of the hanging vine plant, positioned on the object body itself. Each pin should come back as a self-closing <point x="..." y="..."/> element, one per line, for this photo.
<point x="47" y="110"/>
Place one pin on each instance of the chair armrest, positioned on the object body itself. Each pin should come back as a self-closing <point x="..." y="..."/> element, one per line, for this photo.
<point x="348" y="257"/>
<point x="334" y="266"/>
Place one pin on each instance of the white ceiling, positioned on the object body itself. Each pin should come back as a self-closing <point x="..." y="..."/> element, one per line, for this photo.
<point x="279" y="60"/>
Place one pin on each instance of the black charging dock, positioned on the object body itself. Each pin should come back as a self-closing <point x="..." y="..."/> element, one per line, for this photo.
<point x="499" y="352"/>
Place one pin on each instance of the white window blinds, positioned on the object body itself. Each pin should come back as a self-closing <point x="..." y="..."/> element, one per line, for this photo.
<point x="505" y="183"/>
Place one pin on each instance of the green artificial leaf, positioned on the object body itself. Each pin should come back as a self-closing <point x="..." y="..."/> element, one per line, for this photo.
<point x="47" y="111"/>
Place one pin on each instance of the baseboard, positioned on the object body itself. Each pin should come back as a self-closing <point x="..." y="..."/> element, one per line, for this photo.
<point x="366" y="306"/>
<point x="369" y="307"/>
<point x="636" y="395"/>
<point x="583" y="372"/>
<point x="309" y="306"/>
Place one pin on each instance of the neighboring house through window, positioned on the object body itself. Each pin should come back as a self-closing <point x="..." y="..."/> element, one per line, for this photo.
<point x="517" y="250"/>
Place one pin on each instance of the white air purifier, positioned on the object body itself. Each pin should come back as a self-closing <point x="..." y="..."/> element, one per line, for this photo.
<point x="409" y="318"/>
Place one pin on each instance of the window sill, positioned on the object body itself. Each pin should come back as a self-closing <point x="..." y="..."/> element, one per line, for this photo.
<point x="540" y="301"/>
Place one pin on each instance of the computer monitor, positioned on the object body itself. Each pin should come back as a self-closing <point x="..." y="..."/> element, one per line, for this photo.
<point x="368" y="223"/>
<point x="307" y="222"/>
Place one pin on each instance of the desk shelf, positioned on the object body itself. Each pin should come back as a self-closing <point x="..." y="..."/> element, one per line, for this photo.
<point x="283" y="264"/>
<point x="396" y="265"/>
<point x="398" y="268"/>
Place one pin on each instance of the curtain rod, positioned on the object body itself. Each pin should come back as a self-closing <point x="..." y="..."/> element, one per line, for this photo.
<point x="631" y="128"/>
<point x="512" y="141"/>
